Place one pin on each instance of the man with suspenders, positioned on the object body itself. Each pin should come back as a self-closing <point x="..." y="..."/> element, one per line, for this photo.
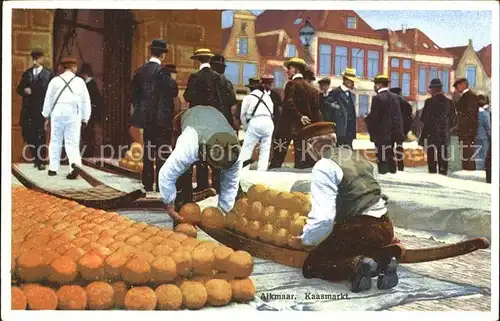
<point x="67" y="107"/>
<point x="257" y="117"/>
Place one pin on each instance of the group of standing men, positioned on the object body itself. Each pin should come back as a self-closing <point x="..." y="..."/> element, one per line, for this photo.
<point x="61" y="104"/>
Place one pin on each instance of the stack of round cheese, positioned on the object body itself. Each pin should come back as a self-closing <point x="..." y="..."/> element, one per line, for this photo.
<point x="67" y="256"/>
<point x="133" y="158"/>
<point x="270" y="216"/>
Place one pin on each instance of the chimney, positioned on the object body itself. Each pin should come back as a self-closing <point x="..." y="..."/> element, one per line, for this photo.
<point x="470" y="42"/>
<point x="403" y="28"/>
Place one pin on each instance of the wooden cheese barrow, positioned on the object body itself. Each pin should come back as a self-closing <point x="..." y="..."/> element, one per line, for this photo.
<point x="296" y="258"/>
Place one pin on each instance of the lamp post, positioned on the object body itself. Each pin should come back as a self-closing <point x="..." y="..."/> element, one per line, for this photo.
<point x="306" y="33"/>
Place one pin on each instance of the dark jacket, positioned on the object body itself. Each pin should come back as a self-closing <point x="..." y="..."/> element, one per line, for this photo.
<point x="438" y="118"/>
<point x="385" y="124"/>
<point x="207" y="88"/>
<point x="407" y="114"/>
<point x="96" y="100"/>
<point x="161" y="110"/>
<point x="277" y="105"/>
<point x="340" y="109"/>
<point x="301" y="99"/>
<point x="31" y="109"/>
<point x="143" y="85"/>
<point x="467" y="116"/>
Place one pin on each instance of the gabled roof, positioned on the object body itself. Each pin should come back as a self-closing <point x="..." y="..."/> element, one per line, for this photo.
<point x="268" y="45"/>
<point x="484" y="55"/>
<point x="334" y="21"/>
<point x="419" y="43"/>
<point x="393" y="40"/>
<point x="458" y="53"/>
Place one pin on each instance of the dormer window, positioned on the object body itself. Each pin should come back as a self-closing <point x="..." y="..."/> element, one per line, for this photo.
<point x="242" y="46"/>
<point x="351" y="22"/>
<point x="290" y="50"/>
<point x="244" y="27"/>
<point x="426" y="46"/>
<point x="298" y="21"/>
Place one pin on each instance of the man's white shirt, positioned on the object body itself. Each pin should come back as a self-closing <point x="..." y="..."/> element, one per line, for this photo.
<point x="325" y="181"/>
<point x="250" y="102"/>
<point x="72" y="104"/>
<point x="183" y="156"/>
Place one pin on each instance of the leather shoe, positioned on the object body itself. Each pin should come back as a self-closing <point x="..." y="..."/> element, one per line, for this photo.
<point x="41" y="167"/>
<point x="72" y="175"/>
<point x="52" y="173"/>
<point x="364" y="271"/>
<point x="388" y="276"/>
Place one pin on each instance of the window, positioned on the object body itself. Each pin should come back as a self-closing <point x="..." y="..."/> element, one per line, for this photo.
<point x="351" y="22"/>
<point x="325" y="59"/>
<point x="249" y="71"/>
<point x="445" y="79"/>
<point x="434" y="73"/>
<point x="233" y="72"/>
<point x="426" y="46"/>
<point x="279" y="78"/>
<point x="340" y="59"/>
<point x="290" y="51"/>
<point x="297" y="21"/>
<point x="470" y="74"/>
<point x="406" y="84"/>
<point x="358" y="59"/>
<point x="407" y="64"/>
<point x="244" y="27"/>
<point x="373" y="63"/>
<point x="242" y="46"/>
<point x="395" y="62"/>
<point x="422" y="80"/>
<point x="394" y="79"/>
<point x="364" y="103"/>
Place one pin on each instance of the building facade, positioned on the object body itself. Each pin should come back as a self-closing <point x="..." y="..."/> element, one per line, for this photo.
<point x="484" y="55"/>
<point x="116" y="43"/>
<point x="468" y="65"/>
<point x="240" y="49"/>
<point x="413" y="59"/>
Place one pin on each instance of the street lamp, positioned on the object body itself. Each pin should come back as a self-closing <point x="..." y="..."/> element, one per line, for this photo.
<point x="306" y="33"/>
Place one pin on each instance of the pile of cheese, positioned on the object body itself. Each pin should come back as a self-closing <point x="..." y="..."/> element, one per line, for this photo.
<point x="270" y="216"/>
<point x="68" y="256"/>
<point x="133" y="158"/>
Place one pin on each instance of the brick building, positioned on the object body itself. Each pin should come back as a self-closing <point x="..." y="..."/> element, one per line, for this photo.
<point x="116" y="43"/>
<point x="413" y="59"/>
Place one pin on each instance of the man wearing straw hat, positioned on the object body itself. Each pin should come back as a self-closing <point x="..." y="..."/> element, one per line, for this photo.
<point x="300" y="108"/>
<point x="339" y="108"/>
<point x="385" y="125"/>
<point x="67" y="106"/>
<point x="348" y="217"/>
<point x="257" y="117"/>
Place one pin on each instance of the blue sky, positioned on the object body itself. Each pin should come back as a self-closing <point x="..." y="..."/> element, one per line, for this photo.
<point x="446" y="28"/>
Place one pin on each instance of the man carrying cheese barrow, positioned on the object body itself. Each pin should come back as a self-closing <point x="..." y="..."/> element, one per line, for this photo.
<point x="205" y="136"/>
<point x="348" y="219"/>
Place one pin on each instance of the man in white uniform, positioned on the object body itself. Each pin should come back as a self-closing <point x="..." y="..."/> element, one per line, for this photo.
<point x="67" y="106"/>
<point x="257" y="112"/>
<point x="206" y="136"/>
<point x="348" y="221"/>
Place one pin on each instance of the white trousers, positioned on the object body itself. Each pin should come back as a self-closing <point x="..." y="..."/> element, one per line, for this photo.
<point x="68" y="130"/>
<point x="260" y="129"/>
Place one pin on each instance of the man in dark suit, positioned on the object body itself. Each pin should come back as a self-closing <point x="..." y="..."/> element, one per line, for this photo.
<point x="407" y="114"/>
<point x="143" y="87"/>
<point x="439" y="118"/>
<point x="92" y="134"/>
<point x="207" y="88"/>
<point x="340" y="109"/>
<point x="385" y="124"/>
<point x="218" y="64"/>
<point x="33" y="87"/>
<point x="467" y="122"/>
<point x="300" y="108"/>
<point x="159" y="125"/>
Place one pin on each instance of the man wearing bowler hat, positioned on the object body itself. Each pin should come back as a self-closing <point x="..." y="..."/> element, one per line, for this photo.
<point x="143" y="86"/>
<point x="385" y="125"/>
<point x="438" y="117"/>
<point x="343" y="111"/>
<point x="467" y="122"/>
<point x="33" y="87"/>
